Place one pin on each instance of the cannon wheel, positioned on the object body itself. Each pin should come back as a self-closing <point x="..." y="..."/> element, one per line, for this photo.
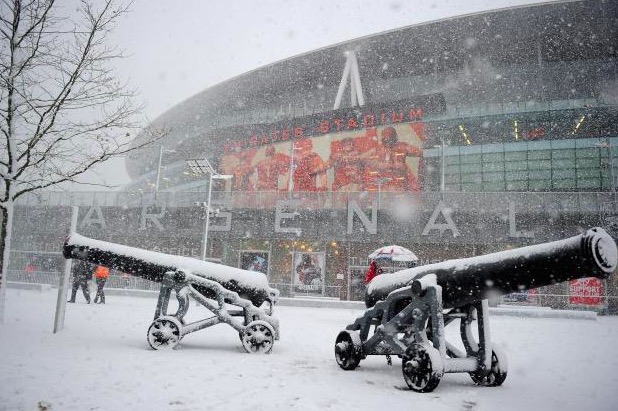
<point x="348" y="349"/>
<point x="258" y="337"/>
<point x="422" y="367"/>
<point x="164" y="332"/>
<point x="496" y="374"/>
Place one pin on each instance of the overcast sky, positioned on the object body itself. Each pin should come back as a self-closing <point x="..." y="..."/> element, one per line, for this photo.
<point x="178" y="48"/>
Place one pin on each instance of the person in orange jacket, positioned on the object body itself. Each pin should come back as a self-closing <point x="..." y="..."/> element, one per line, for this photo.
<point x="101" y="274"/>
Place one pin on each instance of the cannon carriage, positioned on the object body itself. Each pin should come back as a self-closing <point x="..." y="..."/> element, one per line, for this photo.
<point x="409" y="310"/>
<point x="240" y="298"/>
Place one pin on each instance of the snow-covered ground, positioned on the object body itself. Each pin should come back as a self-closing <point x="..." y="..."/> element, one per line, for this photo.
<point x="102" y="361"/>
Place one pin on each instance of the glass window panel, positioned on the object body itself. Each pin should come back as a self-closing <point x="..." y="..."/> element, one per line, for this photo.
<point x="470" y="168"/>
<point x="472" y="178"/>
<point x="493" y="157"/>
<point x="563" y="163"/>
<point x="587" y="153"/>
<point x="539" y="155"/>
<point x="539" y="184"/>
<point x="539" y="145"/>
<point x="451" y="160"/>
<point x="539" y="165"/>
<point x="588" y="163"/>
<point x="493" y="166"/>
<point x="514" y="176"/>
<point x="588" y="173"/>
<point x="517" y="185"/>
<point x="493" y="148"/>
<point x="516" y="165"/>
<point x="519" y="147"/>
<point x="563" y="173"/>
<point x="466" y="150"/>
<point x="471" y="187"/>
<point x="563" y="154"/>
<point x="566" y="184"/>
<point x="472" y="158"/>
<point x="539" y="174"/>
<point x="516" y="156"/>
<point x="494" y="186"/>
<point x="493" y="176"/>
<point x="558" y="144"/>
<point x="589" y="183"/>
<point x="451" y="178"/>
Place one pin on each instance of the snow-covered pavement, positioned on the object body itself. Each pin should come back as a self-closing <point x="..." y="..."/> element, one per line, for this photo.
<point x="102" y="361"/>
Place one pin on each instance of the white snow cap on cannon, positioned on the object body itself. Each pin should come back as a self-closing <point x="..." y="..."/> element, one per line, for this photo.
<point x="158" y="263"/>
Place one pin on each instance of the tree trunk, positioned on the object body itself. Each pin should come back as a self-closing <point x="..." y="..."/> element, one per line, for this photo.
<point x="6" y="215"/>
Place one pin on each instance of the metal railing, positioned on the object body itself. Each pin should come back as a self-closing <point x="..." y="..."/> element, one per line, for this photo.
<point x="603" y="304"/>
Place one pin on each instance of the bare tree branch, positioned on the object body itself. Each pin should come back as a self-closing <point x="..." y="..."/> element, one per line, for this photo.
<point x="63" y="110"/>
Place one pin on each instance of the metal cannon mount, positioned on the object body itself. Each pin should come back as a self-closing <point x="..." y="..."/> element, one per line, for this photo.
<point x="257" y="329"/>
<point x="410" y="324"/>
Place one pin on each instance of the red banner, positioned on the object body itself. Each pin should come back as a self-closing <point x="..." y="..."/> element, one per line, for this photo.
<point x="379" y="158"/>
<point x="586" y="291"/>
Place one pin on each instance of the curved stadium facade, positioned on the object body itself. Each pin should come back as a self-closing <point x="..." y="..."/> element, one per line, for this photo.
<point x="452" y="138"/>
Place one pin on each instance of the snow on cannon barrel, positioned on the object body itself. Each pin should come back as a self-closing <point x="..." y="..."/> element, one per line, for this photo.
<point x="215" y="286"/>
<point x="409" y="310"/>
<point x="152" y="266"/>
<point x="591" y="254"/>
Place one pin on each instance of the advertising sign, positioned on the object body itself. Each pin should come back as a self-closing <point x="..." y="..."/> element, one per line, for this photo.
<point x="586" y="291"/>
<point x="254" y="261"/>
<point x="308" y="272"/>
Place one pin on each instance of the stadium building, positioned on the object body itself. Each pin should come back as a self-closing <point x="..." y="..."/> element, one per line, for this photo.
<point x="452" y="138"/>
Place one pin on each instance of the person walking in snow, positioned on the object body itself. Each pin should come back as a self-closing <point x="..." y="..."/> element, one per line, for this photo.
<point x="372" y="271"/>
<point x="81" y="275"/>
<point x="101" y="274"/>
<point x="30" y="269"/>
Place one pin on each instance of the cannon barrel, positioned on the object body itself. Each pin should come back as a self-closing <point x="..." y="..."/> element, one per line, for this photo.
<point x="152" y="266"/>
<point x="591" y="254"/>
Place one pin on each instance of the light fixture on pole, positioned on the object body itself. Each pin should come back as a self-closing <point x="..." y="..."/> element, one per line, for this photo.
<point x="380" y="181"/>
<point x="161" y="150"/>
<point x="201" y="167"/>
<point x="292" y="167"/>
<point x="442" y="166"/>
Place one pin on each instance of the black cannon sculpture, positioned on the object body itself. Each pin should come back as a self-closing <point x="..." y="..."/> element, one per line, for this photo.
<point x="215" y="286"/>
<point x="410" y="308"/>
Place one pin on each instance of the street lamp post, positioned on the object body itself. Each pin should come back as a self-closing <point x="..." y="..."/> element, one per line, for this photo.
<point x="201" y="167"/>
<point x="442" y="166"/>
<point x="380" y="181"/>
<point x="161" y="150"/>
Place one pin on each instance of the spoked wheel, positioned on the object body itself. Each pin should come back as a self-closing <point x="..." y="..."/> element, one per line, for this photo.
<point x="258" y="337"/>
<point x="348" y="349"/>
<point x="422" y="367"/>
<point x="164" y="333"/>
<point x="497" y="372"/>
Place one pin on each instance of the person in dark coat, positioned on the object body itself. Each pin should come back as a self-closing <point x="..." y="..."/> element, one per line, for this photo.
<point x="82" y="273"/>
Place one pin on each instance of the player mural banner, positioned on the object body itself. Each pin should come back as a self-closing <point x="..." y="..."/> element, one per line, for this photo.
<point x="308" y="272"/>
<point x="389" y="157"/>
<point x="254" y="261"/>
<point x="376" y="149"/>
<point x="586" y="291"/>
